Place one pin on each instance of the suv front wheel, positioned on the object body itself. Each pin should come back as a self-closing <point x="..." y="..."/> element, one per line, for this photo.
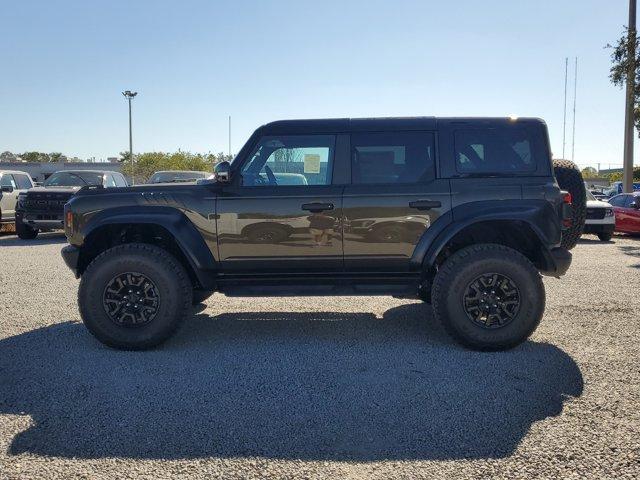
<point x="488" y="297"/>
<point x="134" y="296"/>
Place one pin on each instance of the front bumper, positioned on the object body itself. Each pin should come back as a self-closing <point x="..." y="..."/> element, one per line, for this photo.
<point x="595" y="228"/>
<point x="558" y="261"/>
<point x="71" y="255"/>
<point x="40" y="221"/>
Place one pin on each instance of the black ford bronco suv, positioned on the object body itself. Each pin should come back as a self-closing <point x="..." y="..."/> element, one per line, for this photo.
<point x="465" y="213"/>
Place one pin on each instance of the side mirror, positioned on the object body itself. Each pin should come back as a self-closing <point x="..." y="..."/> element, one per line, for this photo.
<point x="7" y="188"/>
<point x="222" y="172"/>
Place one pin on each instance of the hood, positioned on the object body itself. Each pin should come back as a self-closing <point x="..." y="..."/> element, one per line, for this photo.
<point x="598" y="204"/>
<point x="53" y="190"/>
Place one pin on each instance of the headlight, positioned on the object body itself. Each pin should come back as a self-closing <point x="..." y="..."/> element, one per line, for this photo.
<point x="609" y="212"/>
<point x="21" y="200"/>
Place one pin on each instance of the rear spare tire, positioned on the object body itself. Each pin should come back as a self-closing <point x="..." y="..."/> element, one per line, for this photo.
<point x="570" y="179"/>
<point x="134" y="296"/>
<point x="488" y="297"/>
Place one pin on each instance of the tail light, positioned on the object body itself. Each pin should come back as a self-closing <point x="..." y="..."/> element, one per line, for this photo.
<point x="69" y="220"/>
<point x="567" y="209"/>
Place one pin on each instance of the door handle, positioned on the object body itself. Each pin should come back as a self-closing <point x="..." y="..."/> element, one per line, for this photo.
<point x="425" y="204"/>
<point x="317" y="207"/>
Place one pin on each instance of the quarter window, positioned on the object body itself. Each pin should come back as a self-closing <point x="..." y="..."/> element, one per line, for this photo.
<point x="504" y="151"/>
<point x="290" y="160"/>
<point x="391" y="158"/>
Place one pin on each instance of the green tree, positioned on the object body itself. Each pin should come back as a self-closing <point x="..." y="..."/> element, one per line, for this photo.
<point x="145" y="164"/>
<point x="35" y="157"/>
<point x="618" y="73"/>
<point x="589" y="172"/>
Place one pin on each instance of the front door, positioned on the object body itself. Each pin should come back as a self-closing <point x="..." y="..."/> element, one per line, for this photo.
<point x="393" y="198"/>
<point x="283" y="213"/>
<point x="8" y="198"/>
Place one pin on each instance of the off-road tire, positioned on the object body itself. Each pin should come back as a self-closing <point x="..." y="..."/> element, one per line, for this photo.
<point x="459" y="271"/>
<point x="25" y="232"/>
<point x="200" y="296"/>
<point x="570" y="179"/>
<point x="605" y="237"/>
<point x="168" y="275"/>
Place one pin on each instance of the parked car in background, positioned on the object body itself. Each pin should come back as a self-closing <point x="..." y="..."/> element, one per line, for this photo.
<point x="12" y="183"/>
<point x="173" y="176"/>
<point x="627" y="211"/>
<point x="616" y="188"/>
<point x="42" y="208"/>
<point x="600" y="218"/>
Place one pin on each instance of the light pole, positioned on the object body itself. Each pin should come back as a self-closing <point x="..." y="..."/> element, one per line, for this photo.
<point x="627" y="175"/>
<point x="129" y="96"/>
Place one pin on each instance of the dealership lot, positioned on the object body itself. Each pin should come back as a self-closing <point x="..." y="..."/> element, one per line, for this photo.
<point x="363" y="387"/>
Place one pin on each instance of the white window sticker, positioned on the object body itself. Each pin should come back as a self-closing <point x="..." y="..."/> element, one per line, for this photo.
<point x="311" y="163"/>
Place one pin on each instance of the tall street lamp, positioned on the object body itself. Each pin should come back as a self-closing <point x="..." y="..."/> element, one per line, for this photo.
<point x="129" y="96"/>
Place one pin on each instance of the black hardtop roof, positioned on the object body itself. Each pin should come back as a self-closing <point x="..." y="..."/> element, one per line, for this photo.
<point x="382" y="124"/>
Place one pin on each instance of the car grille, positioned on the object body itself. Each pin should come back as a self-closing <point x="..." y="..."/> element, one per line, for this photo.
<point x="46" y="202"/>
<point x="596" y="213"/>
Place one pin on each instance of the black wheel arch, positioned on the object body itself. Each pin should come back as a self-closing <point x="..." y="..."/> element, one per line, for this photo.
<point x="529" y="226"/>
<point x="163" y="226"/>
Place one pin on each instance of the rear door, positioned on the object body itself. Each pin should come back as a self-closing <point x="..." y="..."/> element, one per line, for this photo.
<point x="393" y="198"/>
<point x="283" y="211"/>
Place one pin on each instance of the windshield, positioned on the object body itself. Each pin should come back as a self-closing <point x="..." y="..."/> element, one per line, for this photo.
<point x="167" y="177"/>
<point x="73" y="179"/>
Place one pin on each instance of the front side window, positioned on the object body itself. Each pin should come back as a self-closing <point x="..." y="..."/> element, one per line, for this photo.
<point x="290" y="160"/>
<point x="109" y="181"/>
<point x="618" y="200"/>
<point x="394" y="157"/>
<point x="23" y="181"/>
<point x="495" y="150"/>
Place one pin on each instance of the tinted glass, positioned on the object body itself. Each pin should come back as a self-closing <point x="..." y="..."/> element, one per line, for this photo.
<point x="628" y="201"/>
<point x="290" y="160"/>
<point x="23" y="181"/>
<point x="7" y="181"/>
<point x="73" y="179"/>
<point x="120" y="180"/>
<point x="387" y="158"/>
<point x="109" y="181"/>
<point x="508" y="150"/>
<point x="618" y="200"/>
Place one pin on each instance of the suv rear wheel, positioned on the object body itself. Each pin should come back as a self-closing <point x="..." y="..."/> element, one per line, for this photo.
<point x="488" y="297"/>
<point x="134" y="296"/>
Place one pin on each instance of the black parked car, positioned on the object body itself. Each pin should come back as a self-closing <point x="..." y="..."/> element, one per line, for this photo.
<point x="463" y="213"/>
<point x="42" y="208"/>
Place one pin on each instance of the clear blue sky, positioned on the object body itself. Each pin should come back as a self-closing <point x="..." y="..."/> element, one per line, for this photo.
<point x="64" y="64"/>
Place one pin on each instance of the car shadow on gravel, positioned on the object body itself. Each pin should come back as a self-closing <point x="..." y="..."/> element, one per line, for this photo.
<point x="49" y="238"/>
<point x="312" y="386"/>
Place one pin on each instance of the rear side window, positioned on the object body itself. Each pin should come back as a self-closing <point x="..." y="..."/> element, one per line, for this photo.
<point x="392" y="158"/>
<point x="109" y="181"/>
<point x="494" y="150"/>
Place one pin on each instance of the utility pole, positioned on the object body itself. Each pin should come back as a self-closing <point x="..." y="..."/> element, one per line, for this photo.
<point x="627" y="175"/>
<point x="129" y="96"/>
<point x="575" y="89"/>
<point x="229" y="136"/>
<point x="564" y="119"/>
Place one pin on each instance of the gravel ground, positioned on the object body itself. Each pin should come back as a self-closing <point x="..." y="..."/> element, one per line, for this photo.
<point x="321" y="387"/>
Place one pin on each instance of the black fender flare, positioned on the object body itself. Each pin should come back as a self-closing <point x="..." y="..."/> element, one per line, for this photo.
<point x="184" y="232"/>
<point x="539" y="215"/>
